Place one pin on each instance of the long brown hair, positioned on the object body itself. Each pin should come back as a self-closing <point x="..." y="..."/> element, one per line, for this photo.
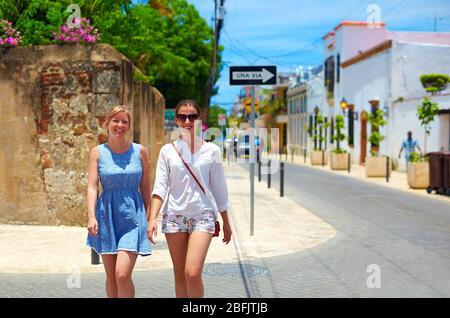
<point x="187" y="102"/>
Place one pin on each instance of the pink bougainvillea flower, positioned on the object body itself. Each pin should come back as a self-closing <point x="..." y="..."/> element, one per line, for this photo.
<point x="8" y="35"/>
<point x="81" y="32"/>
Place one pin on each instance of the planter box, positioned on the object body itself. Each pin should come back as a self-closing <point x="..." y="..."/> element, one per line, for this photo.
<point x="376" y="166"/>
<point x="339" y="161"/>
<point x="418" y="175"/>
<point x="316" y="158"/>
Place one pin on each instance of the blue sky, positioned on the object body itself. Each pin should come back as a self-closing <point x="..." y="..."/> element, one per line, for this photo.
<point x="288" y="33"/>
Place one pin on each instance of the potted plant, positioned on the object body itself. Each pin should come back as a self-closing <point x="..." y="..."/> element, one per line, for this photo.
<point x="318" y="156"/>
<point x="338" y="157"/>
<point x="434" y="83"/>
<point x="426" y="114"/>
<point x="418" y="172"/>
<point x="376" y="164"/>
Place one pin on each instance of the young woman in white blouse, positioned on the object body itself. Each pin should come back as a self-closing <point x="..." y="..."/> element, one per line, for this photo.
<point x="190" y="183"/>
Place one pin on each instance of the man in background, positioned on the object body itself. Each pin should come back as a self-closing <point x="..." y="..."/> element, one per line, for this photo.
<point x="409" y="145"/>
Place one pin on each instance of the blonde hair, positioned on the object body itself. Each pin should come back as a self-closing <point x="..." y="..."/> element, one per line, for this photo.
<point x="114" y="111"/>
<point x="187" y="102"/>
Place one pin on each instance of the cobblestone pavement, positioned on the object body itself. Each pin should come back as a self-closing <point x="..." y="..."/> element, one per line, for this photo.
<point x="387" y="243"/>
<point x="406" y="236"/>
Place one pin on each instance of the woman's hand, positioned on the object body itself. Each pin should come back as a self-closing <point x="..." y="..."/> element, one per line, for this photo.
<point x="152" y="231"/>
<point x="226" y="232"/>
<point x="92" y="226"/>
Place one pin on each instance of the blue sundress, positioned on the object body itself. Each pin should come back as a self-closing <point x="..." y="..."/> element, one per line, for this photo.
<point x="120" y="210"/>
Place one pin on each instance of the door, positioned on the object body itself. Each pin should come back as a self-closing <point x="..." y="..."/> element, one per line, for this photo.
<point x="363" y="139"/>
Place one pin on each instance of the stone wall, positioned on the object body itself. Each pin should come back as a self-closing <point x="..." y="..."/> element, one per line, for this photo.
<point x="53" y="101"/>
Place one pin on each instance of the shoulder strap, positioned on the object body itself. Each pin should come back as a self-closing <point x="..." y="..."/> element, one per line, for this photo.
<point x="186" y="165"/>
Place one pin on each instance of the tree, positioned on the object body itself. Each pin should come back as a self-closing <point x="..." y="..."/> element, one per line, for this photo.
<point x="434" y="83"/>
<point x="214" y="111"/>
<point x="166" y="39"/>
<point x="377" y="121"/>
<point x="272" y="107"/>
<point x="339" y="137"/>
<point x="35" y="19"/>
<point x="319" y="136"/>
<point x="426" y="114"/>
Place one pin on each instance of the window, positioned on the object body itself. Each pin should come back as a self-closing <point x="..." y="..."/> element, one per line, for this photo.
<point x="329" y="75"/>
<point x="310" y="126"/>
<point x="350" y="126"/>
<point x="338" y="68"/>
<point x="331" y="130"/>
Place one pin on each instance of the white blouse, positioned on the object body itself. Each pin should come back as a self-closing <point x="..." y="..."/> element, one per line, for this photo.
<point x="184" y="195"/>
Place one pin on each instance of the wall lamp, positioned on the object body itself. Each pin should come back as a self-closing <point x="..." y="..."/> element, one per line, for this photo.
<point x="347" y="109"/>
<point x="316" y="110"/>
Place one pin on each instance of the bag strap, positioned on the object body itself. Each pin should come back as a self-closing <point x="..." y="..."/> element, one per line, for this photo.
<point x="186" y="165"/>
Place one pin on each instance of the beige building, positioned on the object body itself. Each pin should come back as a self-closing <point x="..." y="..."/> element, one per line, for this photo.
<point x="297" y="118"/>
<point x="53" y="101"/>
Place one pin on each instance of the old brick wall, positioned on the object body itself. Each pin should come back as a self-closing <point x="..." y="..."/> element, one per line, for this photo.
<point x="53" y="103"/>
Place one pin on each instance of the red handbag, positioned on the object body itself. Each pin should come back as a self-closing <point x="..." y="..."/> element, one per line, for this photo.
<point x="217" y="225"/>
<point x="217" y="229"/>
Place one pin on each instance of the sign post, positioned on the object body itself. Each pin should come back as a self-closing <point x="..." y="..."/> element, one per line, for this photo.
<point x="253" y="75"/>
<point x="222" y="119"/>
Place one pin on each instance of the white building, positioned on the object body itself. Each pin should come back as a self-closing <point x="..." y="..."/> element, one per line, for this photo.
<point x="297" y="118"/>
<point x="368" y="65"/>
<point x="306" y="92"/>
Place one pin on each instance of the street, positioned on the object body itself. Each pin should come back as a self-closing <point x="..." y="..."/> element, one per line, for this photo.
<point x="388" y="243"/>
<point x="115" y="115"/>
<point x="408" y="236"/>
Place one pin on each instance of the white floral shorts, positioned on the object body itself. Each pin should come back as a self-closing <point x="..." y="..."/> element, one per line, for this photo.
<point x="178" y="223"/>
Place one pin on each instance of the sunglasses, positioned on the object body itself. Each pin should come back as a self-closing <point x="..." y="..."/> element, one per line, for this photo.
<point x="191" y="117"/>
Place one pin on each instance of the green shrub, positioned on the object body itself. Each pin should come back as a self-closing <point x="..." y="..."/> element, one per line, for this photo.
<point x="417" y="157"/>
<point x="434" y="83"/>
<point x="376" y="138"/>
<point x="339" y="137"/>
<point x="426" y="114"/>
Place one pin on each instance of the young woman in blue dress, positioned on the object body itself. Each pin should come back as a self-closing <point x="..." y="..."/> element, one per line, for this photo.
<point x="117" y="219"/>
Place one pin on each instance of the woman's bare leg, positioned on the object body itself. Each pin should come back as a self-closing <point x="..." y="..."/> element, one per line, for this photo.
<point x="109" y="261"/>
<point x="178" y="243"/>
<point x="124" y="269"/>
<point x="195" y="259"/>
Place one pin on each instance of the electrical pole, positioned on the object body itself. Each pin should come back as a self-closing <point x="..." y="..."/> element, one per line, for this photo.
<point x="435" y="19"/>
<point x="219" y="13"/>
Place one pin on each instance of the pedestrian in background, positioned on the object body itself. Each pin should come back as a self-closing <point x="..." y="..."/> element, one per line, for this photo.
<point x="409" y="145"/>
<point x="117" y="219"/>
<point x="235" y="146"/>
<point x="229" y="149"/>
<point x="190" y="182"/>
<point x="258" y="148"/>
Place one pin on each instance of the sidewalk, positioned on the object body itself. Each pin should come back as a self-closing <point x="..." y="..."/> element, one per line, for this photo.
<point x="397" y="179"/>
<point x="281" y="227"/>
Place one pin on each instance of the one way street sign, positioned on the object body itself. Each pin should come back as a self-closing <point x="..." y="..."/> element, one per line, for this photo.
<point x="253" y="75"/>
